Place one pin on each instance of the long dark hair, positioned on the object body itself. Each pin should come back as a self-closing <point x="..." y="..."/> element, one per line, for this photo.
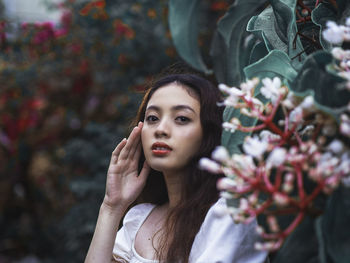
<point x="198" y="186"/>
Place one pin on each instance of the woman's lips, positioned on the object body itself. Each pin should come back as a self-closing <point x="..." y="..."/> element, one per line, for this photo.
<point x="160" y="149"/>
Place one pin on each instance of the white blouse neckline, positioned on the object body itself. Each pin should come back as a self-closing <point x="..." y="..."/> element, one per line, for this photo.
<point x="137" y="255"/>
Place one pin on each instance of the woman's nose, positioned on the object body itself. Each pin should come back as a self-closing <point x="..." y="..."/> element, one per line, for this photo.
<point x="162" y="128"/>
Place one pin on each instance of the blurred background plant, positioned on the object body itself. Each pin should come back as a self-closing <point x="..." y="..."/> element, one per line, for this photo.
<point x="280" y="43"/>
<point x="69" y="87"/>
<point x="68" y="92"/>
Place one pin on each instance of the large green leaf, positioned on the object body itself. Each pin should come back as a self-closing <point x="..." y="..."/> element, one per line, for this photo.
<point x="276" y="26"/>
<point x="231" y="44"/>
<point x="335" y="226"/>
<point x="316" y="79"/>
<point x="276" y="63"/>
<point x="183" y="23"/>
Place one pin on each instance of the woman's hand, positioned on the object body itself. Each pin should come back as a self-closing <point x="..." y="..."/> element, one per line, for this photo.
<point x="124" y="184"/>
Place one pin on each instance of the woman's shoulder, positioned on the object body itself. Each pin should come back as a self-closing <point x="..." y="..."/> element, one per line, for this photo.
<point x="218" y="217"/>
<point x="133" y="220"/>
<point x="137" y="214"/>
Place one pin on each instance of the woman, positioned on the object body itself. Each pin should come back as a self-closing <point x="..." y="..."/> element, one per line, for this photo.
<point x="179" y="122"/>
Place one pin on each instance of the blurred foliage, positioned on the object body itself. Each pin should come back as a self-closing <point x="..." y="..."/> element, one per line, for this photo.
<point x="276" y="38"/>
<point x="67" y="95"/>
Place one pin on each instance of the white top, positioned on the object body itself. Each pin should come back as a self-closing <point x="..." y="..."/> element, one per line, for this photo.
<point x="219" y="239"/>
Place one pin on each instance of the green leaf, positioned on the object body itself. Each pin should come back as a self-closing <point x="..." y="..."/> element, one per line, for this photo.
<point x="335" y="225"/>
<point x="259" y="51"/>
<point x="231" y="44"/>
<point x="183" y="23"/>
<point x="276" y="27"/>
<point x="300" y="246"/>
<point x="321" y="244"/>
<point x="276" y="63"/>
<point x="316" y="79"/>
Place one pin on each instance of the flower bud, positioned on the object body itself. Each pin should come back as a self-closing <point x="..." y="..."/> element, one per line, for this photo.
<point x="209" y="165"/>
<point x="220" y="154"/>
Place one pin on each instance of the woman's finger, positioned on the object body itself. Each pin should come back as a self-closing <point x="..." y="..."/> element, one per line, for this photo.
<point x="134" y="153"/>
<point x="117" y="150"/>
<point x="132" y="142"/>
<point x="144" y="171"/>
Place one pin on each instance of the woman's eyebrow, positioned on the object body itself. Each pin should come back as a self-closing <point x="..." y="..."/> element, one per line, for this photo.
<point x="174" y="108"/>
<point x="153" y="107"/>
<point x="182" y="107"/>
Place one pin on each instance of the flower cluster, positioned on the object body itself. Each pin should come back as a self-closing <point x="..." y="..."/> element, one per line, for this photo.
<point x="293" y="143"/>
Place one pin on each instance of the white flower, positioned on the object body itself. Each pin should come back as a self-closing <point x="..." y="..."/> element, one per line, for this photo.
<point x="338" y="53"/>
<point x="290" y="101"/>
<point x="225" y="184"/>
<point x="244" y="163"/>
<point x="271" y="89"/>
<point x="248" y="86"/>
<point x="345" y="125"/>
<point x="230" y="90"/>
<point x="347" y="21"/>
<point x="266" y="135"/>
<point x="209" y="165"/>
<point x="296" y="115"/>
<point x="220" y="154"/>
<point x="232" y="125"/>
<point x="344" y="167"/>
<point x="276" y="157"/>
<point x="234" y="95"/>
<point x="308" y="103"/>
<point x="333" y="33"/>
<point x="255" y="147"/>
<point x="336" y="146"/>
<point x="280" y="199"/>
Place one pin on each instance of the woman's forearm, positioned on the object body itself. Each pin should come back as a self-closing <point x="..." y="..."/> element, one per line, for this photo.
<point x="102" y="243"/>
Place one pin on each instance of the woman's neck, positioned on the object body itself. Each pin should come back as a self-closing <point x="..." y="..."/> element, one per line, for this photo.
<point x="174" y="188"/>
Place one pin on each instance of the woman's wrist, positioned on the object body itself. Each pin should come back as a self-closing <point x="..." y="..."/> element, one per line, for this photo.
<point x="119" y="208"/>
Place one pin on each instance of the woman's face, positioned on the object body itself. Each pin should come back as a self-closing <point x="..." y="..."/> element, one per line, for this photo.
<point x="172" y="131"/>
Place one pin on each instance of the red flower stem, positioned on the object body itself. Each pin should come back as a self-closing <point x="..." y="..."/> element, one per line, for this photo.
<point x="304" y="19"/>
<point x="286" y="122"/>
<point x="287" y="231"/>
<point x="314" y="193"/>
<point x="274" y="128"/>
<point x="275" y="107"/>
<point x="288" y="135"/>
<point x="267" y="182"/>
<point x="300" y="182"/>
<point x="299" y="140"/>
<point x="252" y="129"/>
<point x="263" y="207"/>
<point x="294" y="224"/>
<point x="236" y="171"/>
<point x="278" y="179"/>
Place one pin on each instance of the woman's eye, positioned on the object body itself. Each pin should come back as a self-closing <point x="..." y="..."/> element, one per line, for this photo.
<point x="182" y="119"/>
<point x="151" y="118"/>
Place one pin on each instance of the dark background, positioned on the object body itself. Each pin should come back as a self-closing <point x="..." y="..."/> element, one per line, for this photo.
<point x="68" y="93"/>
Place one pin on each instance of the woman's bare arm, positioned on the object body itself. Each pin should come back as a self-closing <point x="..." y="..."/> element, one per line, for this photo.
<point x="123" y="186"/>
